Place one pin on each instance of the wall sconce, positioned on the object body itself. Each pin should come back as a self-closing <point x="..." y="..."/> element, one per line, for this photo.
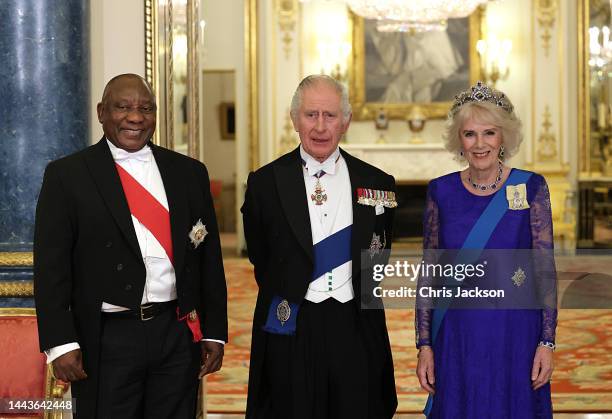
<point x="333" y="58"/>
<point x="494" y="55"/>
<point x="326" y="38"/>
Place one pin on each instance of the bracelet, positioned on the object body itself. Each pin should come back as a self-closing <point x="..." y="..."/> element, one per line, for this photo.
<point x="423" y="347"/>
<point x="549" y="345"/>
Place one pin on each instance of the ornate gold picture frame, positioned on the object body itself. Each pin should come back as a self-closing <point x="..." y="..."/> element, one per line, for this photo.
<point x="171" y="67"/>
<point x="594" y="95"/>
<point x="390" y="88"/>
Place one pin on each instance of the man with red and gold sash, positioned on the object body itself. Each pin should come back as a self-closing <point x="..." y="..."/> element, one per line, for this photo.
<point x="129" y="284"/>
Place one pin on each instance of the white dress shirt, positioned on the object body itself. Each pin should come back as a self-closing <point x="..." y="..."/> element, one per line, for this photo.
<point x="160" y="282"/>
<point x="331" y="216"/>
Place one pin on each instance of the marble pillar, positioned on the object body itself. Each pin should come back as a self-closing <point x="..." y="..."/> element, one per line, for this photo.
<point x="44" y="113"/>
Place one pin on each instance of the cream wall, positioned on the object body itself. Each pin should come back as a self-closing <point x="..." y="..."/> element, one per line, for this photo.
<point x="221" y="51"/>
<point x="117" y="46"/>
<point x="509" y="19"/>
<point x="536" y="80"/>
<point x="512" y="20"/>
<point x="218" y="154"/>
<point x="223" y="48"/>
<point x="542" y="85"/>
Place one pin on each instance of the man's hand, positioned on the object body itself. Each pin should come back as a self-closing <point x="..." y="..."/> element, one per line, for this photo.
<point x="69" y="367"/>
<point x="212" y="357"/>
<point x="425" y="369"/>
<point x="542" y="367"/>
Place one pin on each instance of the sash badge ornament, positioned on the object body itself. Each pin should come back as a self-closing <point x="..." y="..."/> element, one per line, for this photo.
<point x="283" y="312"/>
<point x="517" y="196"/>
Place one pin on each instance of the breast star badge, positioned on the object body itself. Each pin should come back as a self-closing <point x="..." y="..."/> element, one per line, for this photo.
<point x="197" y="233"/>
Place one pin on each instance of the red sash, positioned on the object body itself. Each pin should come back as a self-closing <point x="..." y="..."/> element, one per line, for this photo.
<point x="156" y="219"/>
<point x="147" y="210"/>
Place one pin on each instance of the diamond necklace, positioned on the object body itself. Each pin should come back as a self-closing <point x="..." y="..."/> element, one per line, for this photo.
<point x="493" y="185"/>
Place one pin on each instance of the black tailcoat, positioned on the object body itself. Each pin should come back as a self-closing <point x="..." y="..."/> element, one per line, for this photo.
<point x="279" y="240"/>
<point x="86" y="252"/>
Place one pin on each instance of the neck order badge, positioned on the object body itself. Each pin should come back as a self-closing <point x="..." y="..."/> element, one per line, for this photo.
<point x="318" y="197"/>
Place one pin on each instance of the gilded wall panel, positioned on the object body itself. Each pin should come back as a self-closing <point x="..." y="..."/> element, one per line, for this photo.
<point x="548" y="152"/>
<point x="548" y="85"/>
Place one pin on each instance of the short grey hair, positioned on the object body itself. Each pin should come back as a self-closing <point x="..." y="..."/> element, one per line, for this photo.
<point x="484" y="113"/>
<point x="313" y="80"/>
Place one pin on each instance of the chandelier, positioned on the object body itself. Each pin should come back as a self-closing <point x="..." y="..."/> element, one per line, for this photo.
<point x="413" y="15"/>
<point x="600" y="51"/>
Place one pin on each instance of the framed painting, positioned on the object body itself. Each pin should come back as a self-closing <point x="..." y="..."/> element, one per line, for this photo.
<point x="227" y="120"/>
<point x="396" y="71"/>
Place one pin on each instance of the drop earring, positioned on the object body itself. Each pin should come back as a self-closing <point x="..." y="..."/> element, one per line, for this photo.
<point x="501" y="152"/>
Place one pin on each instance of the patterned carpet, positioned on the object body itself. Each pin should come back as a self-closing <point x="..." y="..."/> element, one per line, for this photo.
<point x="582" y="380"/>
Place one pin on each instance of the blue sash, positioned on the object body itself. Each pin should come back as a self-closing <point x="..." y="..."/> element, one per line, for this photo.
<point x="329" y="253"/>
<point x="473" y="245"/>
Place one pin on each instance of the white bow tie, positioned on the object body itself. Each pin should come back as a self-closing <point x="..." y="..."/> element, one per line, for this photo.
<point x="144" y="154"/>
<point x="328" y="166"/>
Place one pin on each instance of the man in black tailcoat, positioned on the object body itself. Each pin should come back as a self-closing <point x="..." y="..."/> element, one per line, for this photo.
<point x="129" y="284"/>
<point x="316" y="352"/>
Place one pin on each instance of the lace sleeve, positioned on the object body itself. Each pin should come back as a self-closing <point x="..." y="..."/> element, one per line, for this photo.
<point x="543" y="245"/>
<point x="423" y="312"/>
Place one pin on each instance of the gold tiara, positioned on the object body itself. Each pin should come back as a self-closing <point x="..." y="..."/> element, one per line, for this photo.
<point x="480" y="92"/>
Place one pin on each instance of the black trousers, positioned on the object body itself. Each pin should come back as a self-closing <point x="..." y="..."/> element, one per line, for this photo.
<point x="148" y="369"/>
<point x="322" y="371"/>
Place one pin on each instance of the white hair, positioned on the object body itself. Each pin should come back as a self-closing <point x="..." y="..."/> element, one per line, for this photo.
<point x="484" y="113"/>
<point x="314" y="79"/>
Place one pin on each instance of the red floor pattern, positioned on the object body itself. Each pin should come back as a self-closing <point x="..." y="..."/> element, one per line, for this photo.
<point x="582" y="380"/>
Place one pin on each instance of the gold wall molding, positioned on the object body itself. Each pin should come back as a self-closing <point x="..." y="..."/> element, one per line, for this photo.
<point x="287" y="13"/>
<point x="252" y="74"/>
<point x="168" y="84"/>
<point x="158" y="65"/>
<point x="193" y="78"/>
<point x="150" y="42"/>
<point x="546" y="11"/>
<point x="288" y="140"/>
<point x="584" y="110"/>
<point x="547" y="142"/>
<point x="160" y="23"/>
<point x="16" y="259"/>
<point x="16" y="289"/>
<point x="594" y="153"/>
<point x="17" y="311"/>
<point x="548" y="151"/>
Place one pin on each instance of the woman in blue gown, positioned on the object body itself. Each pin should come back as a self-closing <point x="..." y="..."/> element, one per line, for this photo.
<point x="488" y="363"/>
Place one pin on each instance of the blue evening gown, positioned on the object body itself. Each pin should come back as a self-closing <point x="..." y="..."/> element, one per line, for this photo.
<point x="483" y="358"/>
